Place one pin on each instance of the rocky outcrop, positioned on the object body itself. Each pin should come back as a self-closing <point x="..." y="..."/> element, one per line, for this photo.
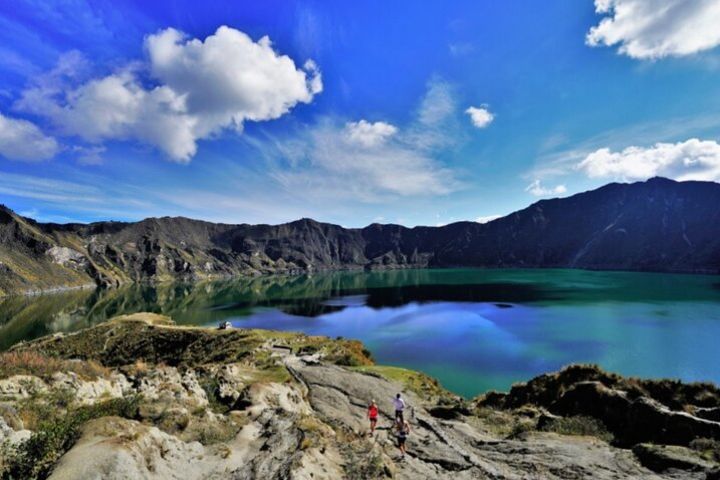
<point x="658" y="419"/>
<point x="291" y="407"/>
<point x="658" y="225"/>
<point x="661" y="458"/>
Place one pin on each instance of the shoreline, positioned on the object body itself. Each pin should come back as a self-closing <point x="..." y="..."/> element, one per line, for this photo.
<point x="195" y="402"/>
<point x="351" y="269"/>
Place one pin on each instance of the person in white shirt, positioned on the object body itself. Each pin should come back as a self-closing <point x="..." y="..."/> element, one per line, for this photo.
<point x="399" y="404"/>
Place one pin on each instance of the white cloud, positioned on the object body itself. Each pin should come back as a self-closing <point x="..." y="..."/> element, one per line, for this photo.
<point x="48" y="189"/>
<point x="488" y="218"/>
<point x="349" y="162"/>
<point x="369" y="134"/>
<point x="23" y="140"/>
<point x="202" y="87"/>
<point x="692" y="159"/>
<point x="89" y="155"/>
<point x="229" y="78"/>
<point x="438" y="103"/>
<point x="366" y="161"/>
<point x="436" y="125"/>
<point x="481" y="117"/>
<point x="336" y="164"/>
<point x="119" y="107"/>
<point x="652" y="29"/>
<point x="537" y="189"/>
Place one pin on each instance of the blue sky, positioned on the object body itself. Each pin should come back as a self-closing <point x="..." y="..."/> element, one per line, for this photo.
<point x="348" y="112"/>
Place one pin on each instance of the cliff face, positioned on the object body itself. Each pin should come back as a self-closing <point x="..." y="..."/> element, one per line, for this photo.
<point x="658" y="225"/>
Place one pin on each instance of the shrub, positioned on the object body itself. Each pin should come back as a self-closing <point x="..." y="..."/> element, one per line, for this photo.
<point x="35" y="457"/>
<point x="363" y="464"/>
<point x="32" y="363"/>
<point x="708" y="447"/>
<point x="518" y="427"/>
<point x="578" y="425"/>
<point x="211" y="385"/>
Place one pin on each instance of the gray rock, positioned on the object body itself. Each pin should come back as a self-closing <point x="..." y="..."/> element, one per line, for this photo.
<point x="660" y="458"/>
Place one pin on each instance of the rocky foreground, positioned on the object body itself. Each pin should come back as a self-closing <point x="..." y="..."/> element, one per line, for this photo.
<point x="139" y="397"/>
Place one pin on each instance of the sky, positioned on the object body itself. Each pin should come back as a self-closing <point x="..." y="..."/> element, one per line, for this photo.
<point x="417" y="113"/>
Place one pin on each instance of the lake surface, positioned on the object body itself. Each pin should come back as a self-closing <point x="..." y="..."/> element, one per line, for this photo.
<point x="472" y="329"/>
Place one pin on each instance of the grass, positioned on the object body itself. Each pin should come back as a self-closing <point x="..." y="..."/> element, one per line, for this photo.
<point x="579" y="425"/>
<point x="708" y="448"/>
<point x="55" y="435"/>
<point x="547" y="388"/>
<point x="314" y="433"/>
<point x="211" y="431"/>
<point x="211" y="385"/>
<point x="42" y="406"/>
<point x="43" y="366"/>
<point x="154" y="339"/>
<point x="419" y="383"/>
<point x="362" y="463"/>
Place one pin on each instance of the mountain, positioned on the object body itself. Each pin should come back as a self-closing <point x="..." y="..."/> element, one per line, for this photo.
<point x="657" y="225"/>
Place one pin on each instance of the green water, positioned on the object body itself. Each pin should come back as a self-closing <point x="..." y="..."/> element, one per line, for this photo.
<point x="472" y="329"/>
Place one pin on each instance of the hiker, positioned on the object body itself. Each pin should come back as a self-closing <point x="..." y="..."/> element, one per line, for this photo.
<point x="373" y="416"/>
<point x="402" y="430"/>
<point x="399" y="404"/>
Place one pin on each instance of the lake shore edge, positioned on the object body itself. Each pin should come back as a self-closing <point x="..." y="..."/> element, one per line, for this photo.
<point x="243" y="384"/>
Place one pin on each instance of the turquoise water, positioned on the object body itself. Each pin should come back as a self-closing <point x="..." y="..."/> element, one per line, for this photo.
<point x="474" y="330"/>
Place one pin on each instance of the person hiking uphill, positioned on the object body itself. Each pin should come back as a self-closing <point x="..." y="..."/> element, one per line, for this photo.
<point x="402" y="430"/>
<point x="399" y="404"/>
<point x="373" y="416"/>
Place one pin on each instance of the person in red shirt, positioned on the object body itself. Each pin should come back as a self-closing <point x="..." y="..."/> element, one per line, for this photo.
<point x="373" y="416"/>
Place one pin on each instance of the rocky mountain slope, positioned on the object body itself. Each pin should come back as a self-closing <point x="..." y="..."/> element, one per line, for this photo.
<point x="658" y="225"/>
<point x="139" y="397"/>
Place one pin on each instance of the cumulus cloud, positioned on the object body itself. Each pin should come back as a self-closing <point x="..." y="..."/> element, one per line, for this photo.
<point x="229" y="78"/>
<point x="480" y="117"/>
<point x="692" y="159"/>
<point x="23" y="140"/>
<point x="537" y="189"/>
<point x="649" y="29"/>
<point x="119" y="107"/>
<point x="198" y="89"/>
<point x="487" y="219"/>
<point x="369" y="134"/>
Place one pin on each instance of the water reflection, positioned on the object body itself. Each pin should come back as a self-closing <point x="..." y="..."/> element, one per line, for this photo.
<point x="474" y="329"/>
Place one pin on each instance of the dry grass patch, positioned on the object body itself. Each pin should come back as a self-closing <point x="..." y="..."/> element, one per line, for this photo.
<point x="28" y="362"/>
<point x="578" y="425"/>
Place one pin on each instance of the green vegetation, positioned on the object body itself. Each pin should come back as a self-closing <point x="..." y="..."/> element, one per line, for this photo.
<point x="210" y="433"/>
<point x="43" y="366"/>
<point x="313" y="431"/>
<point x="211" y="385"/>
<point x="155" y="339"/>
<point x="708" y="448"/>
<point x="578" y="425"/>
<point x="55" y="434"/>
<point x="421" y="384"/>
<point x="363" y="462"/>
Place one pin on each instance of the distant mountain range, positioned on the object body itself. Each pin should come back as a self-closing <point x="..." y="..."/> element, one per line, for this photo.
<point x="657" y="225"/>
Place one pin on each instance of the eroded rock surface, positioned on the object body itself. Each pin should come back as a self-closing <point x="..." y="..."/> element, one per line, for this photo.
<point x="271" y="405"/>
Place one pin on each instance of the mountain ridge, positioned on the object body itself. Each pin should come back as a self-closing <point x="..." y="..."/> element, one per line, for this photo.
<point x="655" y="225"/>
